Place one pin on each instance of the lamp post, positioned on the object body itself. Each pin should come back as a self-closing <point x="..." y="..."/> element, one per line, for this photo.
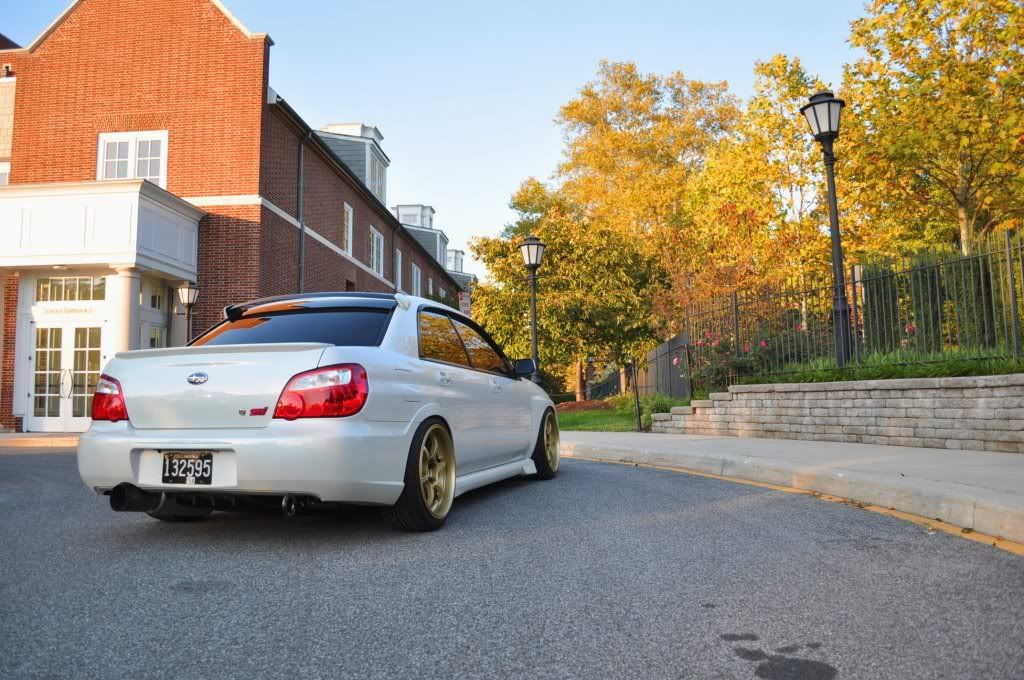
<point x="532" y="249"/>
<point x="187" y="294"/>
<point x="822" y="113"/>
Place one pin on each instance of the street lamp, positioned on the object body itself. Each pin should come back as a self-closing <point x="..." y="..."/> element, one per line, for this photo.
<point x="822" y="113"/>
<point x="187" y="294"/>
<point x="532" y="249"/>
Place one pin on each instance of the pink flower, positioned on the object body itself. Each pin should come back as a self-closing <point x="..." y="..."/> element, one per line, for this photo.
<point x="798" y="327"/>
<point x="911" y="329"/>
<point x="708" y="334"/>
<point x="746" y="349"/>
<point x="714" y="343"/>
<point x="764" y="344"/>
<point x="675" y="361"/>
<point x="700" y="343"/>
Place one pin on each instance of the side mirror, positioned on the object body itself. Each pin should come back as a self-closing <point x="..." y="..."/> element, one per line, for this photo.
<point x="525" y="367"/>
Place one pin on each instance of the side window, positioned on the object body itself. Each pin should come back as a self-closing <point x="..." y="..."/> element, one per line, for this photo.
<point x="439" y="341"/>
<point x="482" y="354"/>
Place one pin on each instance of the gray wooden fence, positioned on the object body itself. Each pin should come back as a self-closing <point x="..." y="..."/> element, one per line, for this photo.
<point x="666" y="370"/>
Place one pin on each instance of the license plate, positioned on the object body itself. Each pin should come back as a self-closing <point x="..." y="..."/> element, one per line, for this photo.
<point x="188" y="467"/>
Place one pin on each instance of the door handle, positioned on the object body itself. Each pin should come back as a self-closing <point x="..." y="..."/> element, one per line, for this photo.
<point x="443" y="378"/>
<point x="60" y="383"/>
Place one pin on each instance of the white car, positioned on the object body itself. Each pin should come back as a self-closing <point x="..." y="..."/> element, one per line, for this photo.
<point x="299" y="400"/>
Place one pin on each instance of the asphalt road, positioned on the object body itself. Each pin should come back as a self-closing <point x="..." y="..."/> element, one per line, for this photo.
<point x="607" y="571"/>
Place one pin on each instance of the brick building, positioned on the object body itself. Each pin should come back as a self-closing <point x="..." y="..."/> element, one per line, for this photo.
<point x="145" y="149"/>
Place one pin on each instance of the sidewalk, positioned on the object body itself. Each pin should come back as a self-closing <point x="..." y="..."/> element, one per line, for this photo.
<point x="975" y="490"/>
<point x="34" y="440"/>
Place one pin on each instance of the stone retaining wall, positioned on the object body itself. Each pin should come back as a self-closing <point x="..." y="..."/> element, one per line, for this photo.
<point x="983" y="413"/>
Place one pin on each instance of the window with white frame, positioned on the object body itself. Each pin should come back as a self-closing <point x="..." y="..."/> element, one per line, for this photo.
<point x="346" y="236"/>
<point x="398" y="269"/>
<point x="377" y="176"/>
<point x="430" y="285"/>
<point x="376" y="251"/>
<point x="417" y="288"/>
<point x="156" y="297"/>
<point x="5" y="173"/>
<point x="410" y="217"/>
<point x="133" y="155"/>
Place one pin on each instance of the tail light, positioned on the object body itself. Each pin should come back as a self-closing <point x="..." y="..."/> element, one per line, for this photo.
<point x="108" y="401"/>
<point x="329" y="392"/>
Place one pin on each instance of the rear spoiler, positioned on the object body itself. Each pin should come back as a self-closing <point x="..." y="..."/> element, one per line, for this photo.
<point x="193" y="350"/>
<point x="325" y="299"/>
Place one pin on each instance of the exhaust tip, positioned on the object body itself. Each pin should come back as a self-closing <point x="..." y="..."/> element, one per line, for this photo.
<point x="289" y="505"/>
<point x="128" y="498"/>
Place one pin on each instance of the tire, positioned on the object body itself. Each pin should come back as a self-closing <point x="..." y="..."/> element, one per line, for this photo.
<point x="545" y="453"/>
<point x="429" y="489"/>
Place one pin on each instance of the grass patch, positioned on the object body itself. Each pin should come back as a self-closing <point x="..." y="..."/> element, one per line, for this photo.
<point x="618" y="414"/>
<point x="603" y="420"/>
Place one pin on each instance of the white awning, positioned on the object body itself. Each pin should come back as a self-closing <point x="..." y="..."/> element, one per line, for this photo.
<point x="118" y="222"/>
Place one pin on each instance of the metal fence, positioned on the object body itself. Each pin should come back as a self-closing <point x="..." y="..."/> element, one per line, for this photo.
<point x="934" y="306"/>
<point x="608" y="387"/>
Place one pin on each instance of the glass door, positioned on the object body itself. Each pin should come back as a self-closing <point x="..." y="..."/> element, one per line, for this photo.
<point x="82" y="376"/>
<point x="44" y="412"/>
<point x="66" y="368"/>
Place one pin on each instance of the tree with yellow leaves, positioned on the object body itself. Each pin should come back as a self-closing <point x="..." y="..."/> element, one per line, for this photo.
<point x="934" y="136"/>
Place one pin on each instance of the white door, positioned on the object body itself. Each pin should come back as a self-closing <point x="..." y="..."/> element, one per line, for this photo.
<point x="66" y="362"/>
<point x="506" y="406"/>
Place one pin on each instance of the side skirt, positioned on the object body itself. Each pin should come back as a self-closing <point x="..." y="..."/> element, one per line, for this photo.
<point x="475" y="480"/>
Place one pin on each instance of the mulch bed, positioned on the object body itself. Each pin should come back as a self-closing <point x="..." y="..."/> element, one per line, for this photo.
<point x="592" y="405"/>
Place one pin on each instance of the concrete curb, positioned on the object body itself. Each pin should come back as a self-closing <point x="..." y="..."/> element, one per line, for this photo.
<point x="988" y="511"/>
<point x="36" y="441"/>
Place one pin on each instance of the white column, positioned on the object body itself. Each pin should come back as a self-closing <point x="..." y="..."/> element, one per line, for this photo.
<point x="176" y="334"/>
<point x="123" y="289"/>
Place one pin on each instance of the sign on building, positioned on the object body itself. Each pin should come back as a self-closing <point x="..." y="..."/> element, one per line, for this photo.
<point x="464" y="303"/>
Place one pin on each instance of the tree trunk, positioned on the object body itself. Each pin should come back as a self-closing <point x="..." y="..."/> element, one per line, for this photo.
<point x="965" y="229"/>
<point x="581" y="392"/>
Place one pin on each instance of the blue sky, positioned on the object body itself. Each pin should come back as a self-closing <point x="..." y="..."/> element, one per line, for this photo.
<point x="465" y="93"/>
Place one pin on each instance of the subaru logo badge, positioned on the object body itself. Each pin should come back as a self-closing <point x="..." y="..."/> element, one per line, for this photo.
<point x="198" y="378"/>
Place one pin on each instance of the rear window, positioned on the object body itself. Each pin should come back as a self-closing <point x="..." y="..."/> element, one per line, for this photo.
<point x="356" y="327"/>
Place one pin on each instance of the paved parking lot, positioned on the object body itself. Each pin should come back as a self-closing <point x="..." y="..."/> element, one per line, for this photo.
<point x="607" y="571"/>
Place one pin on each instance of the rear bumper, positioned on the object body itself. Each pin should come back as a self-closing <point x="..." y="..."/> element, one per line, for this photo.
<point x="336" y="460"/>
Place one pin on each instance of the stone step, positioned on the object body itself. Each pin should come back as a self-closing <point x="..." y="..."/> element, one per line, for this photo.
<point x="682" y="410"/>
<point x="702" y="403"/>
<point x="720" y="396"/>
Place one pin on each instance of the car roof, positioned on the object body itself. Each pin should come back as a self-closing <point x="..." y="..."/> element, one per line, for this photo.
<point x="335" y="299"/>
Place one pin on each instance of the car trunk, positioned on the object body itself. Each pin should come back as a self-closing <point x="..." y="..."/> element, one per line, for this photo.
<point x="164" y="388"/>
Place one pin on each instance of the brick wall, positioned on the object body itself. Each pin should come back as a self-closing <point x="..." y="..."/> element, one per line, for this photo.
<point x="124" y="65"/>
<point x="984" y="413"/>
<point x="325" y="192"/>
<point x="7" y="357"/>
<point x="230" y="239"/>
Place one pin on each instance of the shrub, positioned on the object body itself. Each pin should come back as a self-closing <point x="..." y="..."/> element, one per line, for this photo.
<point x="652" y="403"/>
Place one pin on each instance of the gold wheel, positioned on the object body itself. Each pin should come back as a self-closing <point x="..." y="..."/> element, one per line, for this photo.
<point x="437" y="471"/>
<point x="551" y="441"/>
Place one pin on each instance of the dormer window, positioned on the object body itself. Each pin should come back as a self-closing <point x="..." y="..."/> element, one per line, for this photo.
<point x="377" y="176"/>
<point x="410" y="217"/>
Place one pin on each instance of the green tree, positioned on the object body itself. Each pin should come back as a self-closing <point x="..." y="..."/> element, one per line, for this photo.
<point x="596" y="288"/>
